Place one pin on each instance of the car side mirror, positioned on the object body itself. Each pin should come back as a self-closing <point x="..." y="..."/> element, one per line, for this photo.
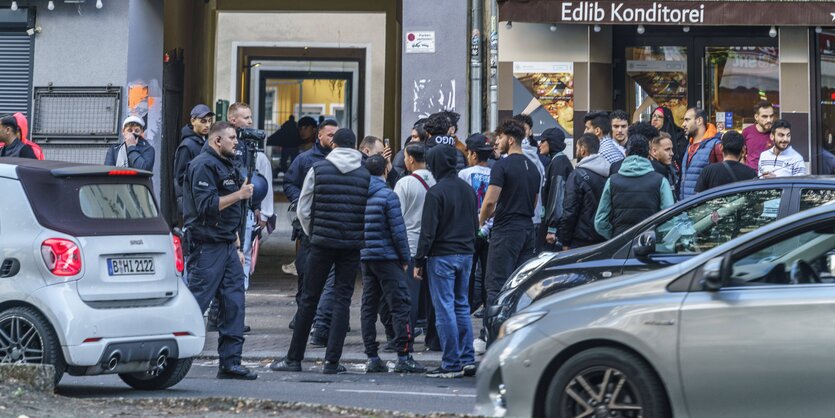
<point x="644" y="245"/>
<point x="715" y="272"/>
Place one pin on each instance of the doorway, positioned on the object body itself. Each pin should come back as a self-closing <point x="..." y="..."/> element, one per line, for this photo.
<point x="723" y="70"/>
<point x="327" y="95"/>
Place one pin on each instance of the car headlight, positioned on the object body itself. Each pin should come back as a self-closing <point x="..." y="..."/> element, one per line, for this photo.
<point x="519" y="321"/>
<point x="527" y="269"/>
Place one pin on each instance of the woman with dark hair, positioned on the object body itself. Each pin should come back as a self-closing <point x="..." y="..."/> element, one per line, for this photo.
<point x="662" y="119"/>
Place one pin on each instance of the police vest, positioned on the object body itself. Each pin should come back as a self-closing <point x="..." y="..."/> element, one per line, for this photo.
<point x="338" y="212"/>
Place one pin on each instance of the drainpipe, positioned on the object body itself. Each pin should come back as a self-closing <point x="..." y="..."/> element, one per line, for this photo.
<point x="494" y="65"/>
<point x="476" y="105"/>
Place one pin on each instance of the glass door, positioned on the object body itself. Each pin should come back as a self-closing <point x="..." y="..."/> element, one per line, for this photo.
<point x="736" y="79"/>
<point x="656" y="77"/>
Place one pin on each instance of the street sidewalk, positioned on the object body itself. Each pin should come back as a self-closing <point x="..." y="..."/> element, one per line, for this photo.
<point x="271" y="304"/>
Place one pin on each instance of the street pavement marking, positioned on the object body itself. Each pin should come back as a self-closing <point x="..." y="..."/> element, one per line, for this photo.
<point x="392" y="392"/>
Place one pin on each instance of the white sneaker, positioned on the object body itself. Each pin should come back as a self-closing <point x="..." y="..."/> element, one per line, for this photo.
<point x="480" y="346"/>
<point x="290" y="269"/>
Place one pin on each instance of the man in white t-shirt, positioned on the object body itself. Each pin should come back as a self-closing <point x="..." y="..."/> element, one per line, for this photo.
<point x="781" y="160"/>
<point x="411" y="190"/>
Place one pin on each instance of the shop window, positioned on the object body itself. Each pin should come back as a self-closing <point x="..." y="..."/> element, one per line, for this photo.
<point x="736" y="79"/>
<point x="656" y="76"/>
<point x="827" y="89"/>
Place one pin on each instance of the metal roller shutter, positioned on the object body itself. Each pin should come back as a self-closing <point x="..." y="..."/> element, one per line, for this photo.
<point x="15" y="72"/>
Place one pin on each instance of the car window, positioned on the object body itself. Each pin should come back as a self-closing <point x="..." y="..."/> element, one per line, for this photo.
<point x="800" y="258"/>
<point x="716" y="221"/>
<point x="117" y="201"/>
<point x="811" y="198"/>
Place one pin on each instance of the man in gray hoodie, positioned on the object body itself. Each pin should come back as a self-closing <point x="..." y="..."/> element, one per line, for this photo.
<point x="331" y="211"/>
<point x="583" y="189"/>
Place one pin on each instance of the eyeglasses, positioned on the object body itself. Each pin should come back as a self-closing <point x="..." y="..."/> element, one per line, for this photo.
<point x="657" y="116"/>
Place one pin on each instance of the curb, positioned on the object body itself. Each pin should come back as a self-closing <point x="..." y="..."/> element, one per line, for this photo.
<point x="316" y="359"/>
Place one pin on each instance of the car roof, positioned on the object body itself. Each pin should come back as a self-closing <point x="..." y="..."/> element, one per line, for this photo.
<point x="9" y="167"/>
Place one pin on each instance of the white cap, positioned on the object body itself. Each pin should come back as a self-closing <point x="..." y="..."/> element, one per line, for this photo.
<point x="133" y="119"/>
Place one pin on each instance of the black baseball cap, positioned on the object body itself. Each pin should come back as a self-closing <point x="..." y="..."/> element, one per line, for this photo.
<point x="201" y="111"/>
<point x="478" y="142"/>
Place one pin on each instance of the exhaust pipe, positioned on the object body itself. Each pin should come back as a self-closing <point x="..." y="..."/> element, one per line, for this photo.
<point x="113" y="361"/>
<point x="162" y="357"/>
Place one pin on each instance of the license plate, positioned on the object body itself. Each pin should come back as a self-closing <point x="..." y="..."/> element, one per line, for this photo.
<point x="130" y="266"/>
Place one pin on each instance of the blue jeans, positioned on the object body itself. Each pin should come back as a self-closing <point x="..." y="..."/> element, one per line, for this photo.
<point x="247" y="246"/>
<point x="449" y="278"/>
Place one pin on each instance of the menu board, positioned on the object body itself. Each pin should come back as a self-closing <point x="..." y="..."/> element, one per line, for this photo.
<point x="552" y="84"/>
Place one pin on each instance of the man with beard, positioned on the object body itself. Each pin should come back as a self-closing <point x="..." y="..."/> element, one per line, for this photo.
<point x="510" y="200"/>
<point x="705" y="148"/>
<point x="293" y="182"/>
<point x="213" y="201"/>
<point x="758" y="136"/>
<point x="781" y="160"/>
<point x="620" y="128"/>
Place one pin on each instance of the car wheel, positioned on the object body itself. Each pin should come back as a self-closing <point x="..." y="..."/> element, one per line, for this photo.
<point x="26" y="337"/>
<point x="171" y="373"/>
<point x="606" y="382"/>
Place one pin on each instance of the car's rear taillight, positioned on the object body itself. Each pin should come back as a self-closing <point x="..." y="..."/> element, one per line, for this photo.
<point x="122" y="173"/>
<point x="62" y="257"/>
<point x="179" y="262"/>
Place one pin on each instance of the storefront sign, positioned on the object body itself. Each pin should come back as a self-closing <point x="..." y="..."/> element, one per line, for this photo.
<point x="685" y="13"/>
<point x="420" y="42"/>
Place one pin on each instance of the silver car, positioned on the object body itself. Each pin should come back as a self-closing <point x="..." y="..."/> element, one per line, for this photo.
<point x="90" y="275"/>
<point x="746" y="329"/>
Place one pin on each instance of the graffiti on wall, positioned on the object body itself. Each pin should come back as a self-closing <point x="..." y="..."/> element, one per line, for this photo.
<point x="430" y="96"/>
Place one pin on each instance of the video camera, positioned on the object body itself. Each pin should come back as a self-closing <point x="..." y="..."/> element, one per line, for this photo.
<point x="254" y="138"/>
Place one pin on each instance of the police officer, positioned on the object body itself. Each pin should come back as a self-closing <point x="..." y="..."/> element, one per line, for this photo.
<point x="214" y="196"/>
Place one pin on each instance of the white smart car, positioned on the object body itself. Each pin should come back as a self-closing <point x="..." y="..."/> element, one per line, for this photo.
<point x="90" y="275"/>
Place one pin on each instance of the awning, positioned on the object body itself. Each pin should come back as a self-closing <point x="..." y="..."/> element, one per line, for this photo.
<point x="680" y="13"/>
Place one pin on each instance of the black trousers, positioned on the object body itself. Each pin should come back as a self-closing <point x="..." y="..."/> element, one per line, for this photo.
<point x="385" y="280"/>
<point x="509" y="248"/>
<point x="478" y="292"/>
<point x="319" y="263"/>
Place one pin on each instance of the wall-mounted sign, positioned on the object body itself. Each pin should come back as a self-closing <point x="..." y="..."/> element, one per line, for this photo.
<point x="684" y="13"/>
<point x="552" y="85"/>
<point x="420" y="42"/>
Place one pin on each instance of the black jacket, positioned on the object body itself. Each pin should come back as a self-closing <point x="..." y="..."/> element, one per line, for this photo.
<point x="553" y="192"/>
<point x="294" y="178"/>
<point x="209" y="178"/>
<point x="460" y="160"/>
<point x="669" y="173"/>
<point x="17" y="149"/>
<point x="340" y="195"/>
<point x="191" y="144"/>
<point x="450" y="213"/>
<point x="583" y="189"/>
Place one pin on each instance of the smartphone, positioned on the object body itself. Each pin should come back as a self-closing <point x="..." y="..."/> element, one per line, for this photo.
<point x="386" y="142"/>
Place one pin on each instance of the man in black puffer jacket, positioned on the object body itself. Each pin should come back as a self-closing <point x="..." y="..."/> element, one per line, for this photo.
<point x="385" y="259"/>
<point x="191" y="144"/>
<point x="331" y="210"/>
<point x="582" y="195"/>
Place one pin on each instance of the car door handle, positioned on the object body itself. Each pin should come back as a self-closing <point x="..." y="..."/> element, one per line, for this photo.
<point x="10" y="267"/>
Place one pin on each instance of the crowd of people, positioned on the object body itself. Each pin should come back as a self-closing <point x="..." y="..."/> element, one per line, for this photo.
<point x="434" y="230"/>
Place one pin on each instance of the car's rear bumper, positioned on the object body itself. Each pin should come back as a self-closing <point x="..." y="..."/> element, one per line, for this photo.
<point x="86" y="332"/>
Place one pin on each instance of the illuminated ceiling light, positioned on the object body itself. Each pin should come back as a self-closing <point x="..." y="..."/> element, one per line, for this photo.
<point x="641" y="29"/>
<point x="14" y="6"/>
<point x="51" y="5"/>
<point x="772" y="32"/>
<point x="597" y="28"/>
<point x="818" y="29"/>
<point x="686" y="29"/>
<point x="553" y="28"/>
<point x="509" y="25"/>
<point x="99" y="4"/>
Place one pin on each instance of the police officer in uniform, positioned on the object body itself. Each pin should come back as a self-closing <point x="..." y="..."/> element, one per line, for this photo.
<point x="213" y="200"/>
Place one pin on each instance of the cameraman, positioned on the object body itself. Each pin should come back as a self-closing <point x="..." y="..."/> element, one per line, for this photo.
<point x="134" y="151"/>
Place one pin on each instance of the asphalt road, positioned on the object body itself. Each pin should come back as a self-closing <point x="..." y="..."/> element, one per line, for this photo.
<point x="393" y="392"/>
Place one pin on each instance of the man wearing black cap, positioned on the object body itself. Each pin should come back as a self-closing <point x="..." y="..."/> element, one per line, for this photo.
<point x="331" y="210"/>
<point x="191" y="143"/>
<point x="552" y="141"/>
<point x="477" y="175"/>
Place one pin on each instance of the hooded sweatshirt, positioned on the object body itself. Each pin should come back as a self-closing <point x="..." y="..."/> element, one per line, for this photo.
<point x="190" y="146"/>
<point x="583" y="190"/>
<point x="23" y="124"/>
<point x="450" y="212"/>
<point x="332" y="212"/>
<point x="635" y="193"/>
<point x="532" y="153"/>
